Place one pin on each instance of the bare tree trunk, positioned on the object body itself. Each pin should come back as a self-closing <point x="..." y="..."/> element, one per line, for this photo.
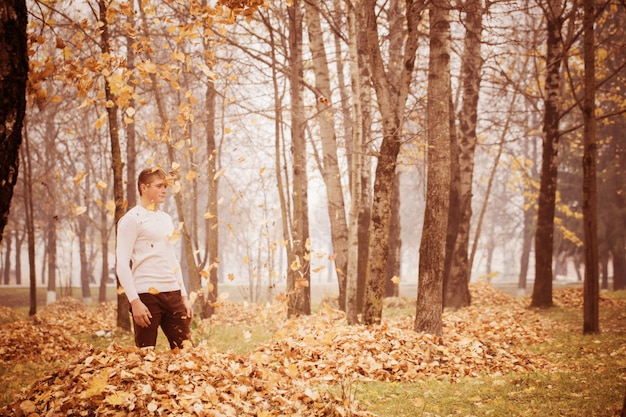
<point x="30" y="223"/>
<point x="7" y="259"/>
<point x="457" y="290"/>
<point x="331" y="172"/>
<point x="395" y="243"/>
<point x="13" y="78"/>
<point x="351" y="301"/>
<point x="131" y="151"/>
<point x="85" y="270"/>
<point x="123" y="317"/>
<point x="212" y="229"/>
<point x="529" y="220"/>
<point x="51" y="255"/>
<point x="428" y="316"/>
<point x="391" y="97"/>
<point x="591" y="299"/>
<point x="104" y="248"/>
<point x="299" y="275"/>
<point x="544" y="237"/>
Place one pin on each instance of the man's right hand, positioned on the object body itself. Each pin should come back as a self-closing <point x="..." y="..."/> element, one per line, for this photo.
<point x="141" y="314"/>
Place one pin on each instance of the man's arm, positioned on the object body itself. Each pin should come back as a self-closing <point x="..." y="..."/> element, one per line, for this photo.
<point x="126" y="237"/>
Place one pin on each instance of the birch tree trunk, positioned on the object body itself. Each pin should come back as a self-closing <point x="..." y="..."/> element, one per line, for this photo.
<point x="456" y="293"/>
<point x="351" y="303"/>
<point x="331" y="172"/>
<point x="428" y="316"/>
<point x="544" y="236"/>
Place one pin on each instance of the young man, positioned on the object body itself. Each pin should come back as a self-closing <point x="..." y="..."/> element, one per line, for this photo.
<point x="148" y="269"/>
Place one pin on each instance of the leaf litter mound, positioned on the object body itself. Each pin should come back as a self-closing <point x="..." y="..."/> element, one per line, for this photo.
<point x="285" y="376"/>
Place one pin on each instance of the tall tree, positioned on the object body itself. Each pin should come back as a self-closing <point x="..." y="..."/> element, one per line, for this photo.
<point x="299" y="274"/>
<point x="330" y="171"/>
<point x="428" y="316"/>
<point x="13" y="77"/>
<point x="123" y="319"/>
<point x="352" y="271"/>
<point x="456" y="291"/>
<point x="544" y="236"/>
<point x="30" y="224"/>
<point x="591" y="320"/>
<point x="391" y="98"/>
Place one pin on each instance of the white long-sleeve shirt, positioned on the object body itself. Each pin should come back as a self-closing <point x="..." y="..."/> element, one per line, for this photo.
<point x="145" y="238"/>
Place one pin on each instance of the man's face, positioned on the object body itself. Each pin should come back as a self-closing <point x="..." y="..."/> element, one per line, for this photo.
<point x="156" y="191"/>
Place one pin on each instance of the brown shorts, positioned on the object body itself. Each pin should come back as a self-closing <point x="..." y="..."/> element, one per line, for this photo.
<point x="168" y="311"/>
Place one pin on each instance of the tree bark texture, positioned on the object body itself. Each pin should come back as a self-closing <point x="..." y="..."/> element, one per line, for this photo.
<point x="428" y="316"/>
<point x="457" y="290"/>
<point x="391" y="99"/>
<point x="30" y="224"/>
<point x="352" y="307"/>
<point x="13" y="77"/>
<point x="299" y="275"/>
<point x="123" y="317"/>
<point x="395" y="243"/>
<point x="212" y="229"/>
<point x="544" y="236"/>
<point x="591" y="298"/>
<point x="331" y="172"/>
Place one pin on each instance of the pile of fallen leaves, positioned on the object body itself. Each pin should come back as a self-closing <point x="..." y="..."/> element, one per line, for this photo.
<point x="49" y="335"/>
<point x="324" y="348"/>
<point x="485" y="294"/>
<point x="76" y="317"/>
<point x="573" y="298"/>
<point x="281" y="377"/>
<point x="194" y="381"/>
<point x="232" y="314"/>
<point x="8" y="315"/>
<point x="35" y="340"/>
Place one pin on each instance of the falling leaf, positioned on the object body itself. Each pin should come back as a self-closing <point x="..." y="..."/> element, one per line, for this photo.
<point x="319" y="268"/>
<point x="78" y="210"/>
<point x="261" y="171"/>
<point x="231" y="276"/>
<point x="219" y="173"/>
<point x="101" y="185"/>
<point x="395" y="279"/>
<point x="153" y="291"/>
<point x="190" y="176"/>
<point x="101" y="120"/>
<point x="79" y="177"/>
<point x="246" y="260"/>
<point x="147" y="66"/>
<point x="208" y="215"/>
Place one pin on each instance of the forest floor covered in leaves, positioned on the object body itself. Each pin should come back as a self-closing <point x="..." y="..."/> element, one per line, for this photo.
<point x="497" y="357"/>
